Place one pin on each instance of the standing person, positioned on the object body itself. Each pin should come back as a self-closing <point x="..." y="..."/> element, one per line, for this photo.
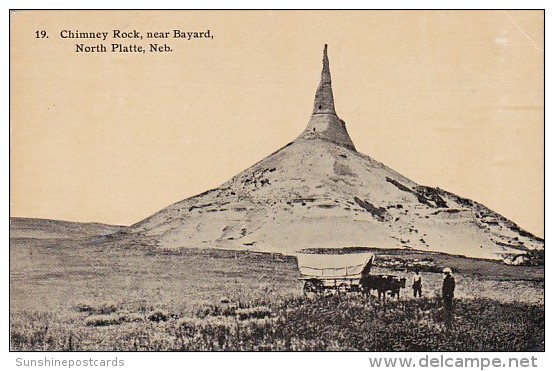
<point x="448" y="286"/>
<point x="416" y="283"/>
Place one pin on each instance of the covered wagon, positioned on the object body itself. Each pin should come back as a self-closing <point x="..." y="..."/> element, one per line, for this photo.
<point x="339" y="272"/>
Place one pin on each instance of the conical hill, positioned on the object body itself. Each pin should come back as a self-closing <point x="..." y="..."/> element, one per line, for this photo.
<point x="318" y="191"/>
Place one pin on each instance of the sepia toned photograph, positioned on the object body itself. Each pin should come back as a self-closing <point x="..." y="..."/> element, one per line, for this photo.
<point x="277" y="180"/>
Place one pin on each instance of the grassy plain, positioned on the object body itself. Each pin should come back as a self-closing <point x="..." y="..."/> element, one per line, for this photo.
<point x="86" y="293"/>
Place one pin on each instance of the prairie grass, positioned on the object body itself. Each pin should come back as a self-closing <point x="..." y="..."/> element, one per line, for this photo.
<point x="105" y="297"/>
<point x="96" y="308"/>
<point x="300" y="324"/>
<point x="102" y="320"/>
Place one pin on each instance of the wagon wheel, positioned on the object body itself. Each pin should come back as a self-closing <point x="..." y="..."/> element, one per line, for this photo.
<point x="313" y="286"/>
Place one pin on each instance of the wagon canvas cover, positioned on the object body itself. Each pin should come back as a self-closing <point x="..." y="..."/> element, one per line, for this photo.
<point x="333" y="265"/>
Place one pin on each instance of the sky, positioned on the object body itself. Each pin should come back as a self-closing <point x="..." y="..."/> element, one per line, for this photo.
<point x="450" y="99"/>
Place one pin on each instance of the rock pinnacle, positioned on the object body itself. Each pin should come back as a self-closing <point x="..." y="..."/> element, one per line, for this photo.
<point x="324" y="102"/>
<point x="324" y="123"/>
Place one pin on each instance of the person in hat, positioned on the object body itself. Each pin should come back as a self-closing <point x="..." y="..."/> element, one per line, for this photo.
<point x="416" y="283"/>
<point x="448" y="286"/>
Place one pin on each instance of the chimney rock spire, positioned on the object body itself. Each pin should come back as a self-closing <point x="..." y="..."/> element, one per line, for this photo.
<point x="324" y="102"/>
<point x="324" y="123"/>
